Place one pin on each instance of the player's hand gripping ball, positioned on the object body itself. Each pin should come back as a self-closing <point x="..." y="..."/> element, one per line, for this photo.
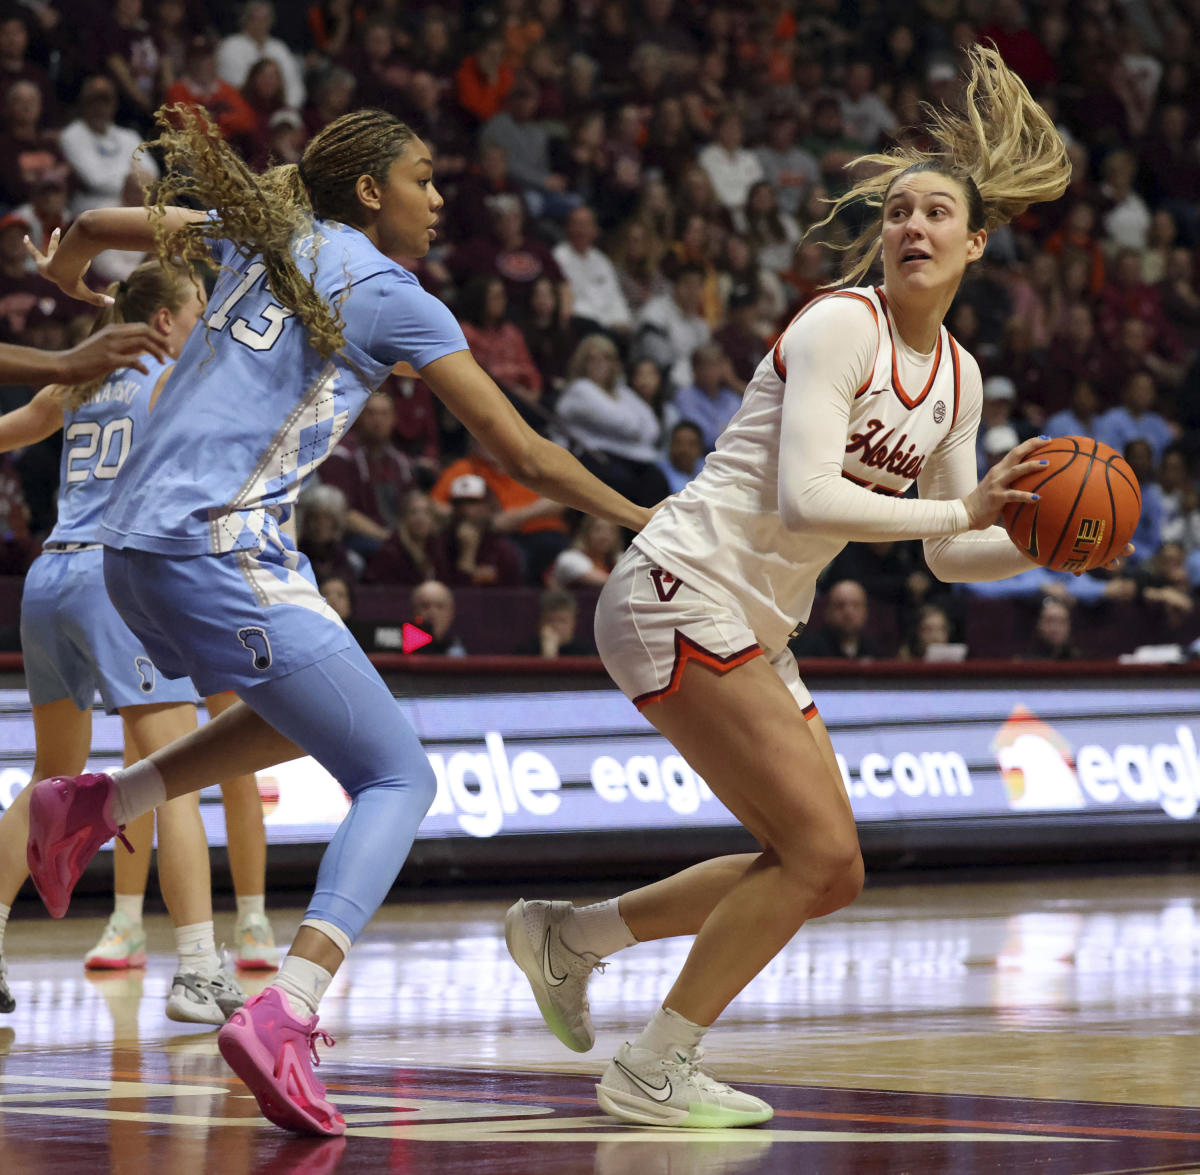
<point x="1088" y="508"/>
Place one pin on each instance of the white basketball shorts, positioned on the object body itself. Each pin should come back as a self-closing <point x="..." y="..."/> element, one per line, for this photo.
<point x="649" y="625"/>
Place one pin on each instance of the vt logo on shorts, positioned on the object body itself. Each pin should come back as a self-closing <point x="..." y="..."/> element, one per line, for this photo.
<point x="145" y="668"/>
<point x="255" y="639"/>
<point x="665" y="584"/>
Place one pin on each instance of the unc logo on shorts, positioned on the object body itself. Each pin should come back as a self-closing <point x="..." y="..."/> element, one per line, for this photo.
<point x="255" y="639"/>
<point x="145" y="668"/>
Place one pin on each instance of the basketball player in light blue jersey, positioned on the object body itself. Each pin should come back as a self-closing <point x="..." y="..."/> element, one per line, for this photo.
<point x="311" y="312"/>
<point x="75" y="644"/>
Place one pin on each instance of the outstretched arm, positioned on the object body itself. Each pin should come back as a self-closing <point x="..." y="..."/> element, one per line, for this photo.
<point x="105" y="351"/>
<point x="66" y="261"/>
<point x="34" y="421"/>
<point x="469" y="392"/>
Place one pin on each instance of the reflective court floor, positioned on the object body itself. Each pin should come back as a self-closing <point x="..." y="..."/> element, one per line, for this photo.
<point x="957" y="1027"/>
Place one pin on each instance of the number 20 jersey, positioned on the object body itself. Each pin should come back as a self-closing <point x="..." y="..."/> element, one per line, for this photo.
<point x="98" y="438"/>
<point x="251" y="407"/>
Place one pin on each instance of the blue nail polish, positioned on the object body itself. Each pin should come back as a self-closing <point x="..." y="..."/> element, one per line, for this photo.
<point x="1037" y="497"/>
<point x="1043" y="461"/>
<point x="1043" y="438"/>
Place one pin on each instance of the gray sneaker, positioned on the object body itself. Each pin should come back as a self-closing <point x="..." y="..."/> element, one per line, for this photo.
<point x="7" y="1003"/>
<point x="204" y="999"/>
<point x="558" y="976"/>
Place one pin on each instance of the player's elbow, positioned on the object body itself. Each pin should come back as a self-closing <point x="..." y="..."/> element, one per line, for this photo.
<point x="940" y="562"/>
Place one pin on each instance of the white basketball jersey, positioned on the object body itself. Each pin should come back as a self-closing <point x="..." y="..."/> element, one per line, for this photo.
<point x="723" y="532"/>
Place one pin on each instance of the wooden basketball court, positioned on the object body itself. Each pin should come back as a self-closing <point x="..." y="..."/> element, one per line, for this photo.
<point x="1041" y="1025"/>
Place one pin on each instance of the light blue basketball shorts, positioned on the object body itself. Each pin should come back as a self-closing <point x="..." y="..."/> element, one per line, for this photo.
<point x="229" y="622"/>
<point x="75" y="643"/>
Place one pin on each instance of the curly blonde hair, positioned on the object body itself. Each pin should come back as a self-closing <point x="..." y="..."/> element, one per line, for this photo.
<point x="264" y="214"/>
<point x="1002" y="147"/>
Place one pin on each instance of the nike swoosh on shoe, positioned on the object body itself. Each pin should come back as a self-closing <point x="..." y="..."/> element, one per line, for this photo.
<point x="548" y="967"/>
<point x="659" y="1093"/>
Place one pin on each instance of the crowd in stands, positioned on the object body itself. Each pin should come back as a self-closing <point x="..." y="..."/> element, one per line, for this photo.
<point x="634" y="196"/>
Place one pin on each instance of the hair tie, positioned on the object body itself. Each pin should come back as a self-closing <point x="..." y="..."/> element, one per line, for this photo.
<point x="122" y="287"/>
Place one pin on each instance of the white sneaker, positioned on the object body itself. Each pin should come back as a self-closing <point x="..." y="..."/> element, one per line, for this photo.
<point x="122" y="946"/>
<point x="7" y="1003"/>
<point x="254" y="944"/>
<point x="204" y="999"/>
<point x="640" y="1086"/>
<point x="558" y="976"/>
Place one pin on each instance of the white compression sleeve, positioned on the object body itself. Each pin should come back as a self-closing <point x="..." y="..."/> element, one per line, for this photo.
<point x="828" y="354"/>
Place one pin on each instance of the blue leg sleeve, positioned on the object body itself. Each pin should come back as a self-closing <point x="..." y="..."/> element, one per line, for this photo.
<point x="341" y="713"/>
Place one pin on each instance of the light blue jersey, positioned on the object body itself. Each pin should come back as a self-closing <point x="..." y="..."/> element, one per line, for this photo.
<point x="97" y="440"/>
<point x="251" y="408"/>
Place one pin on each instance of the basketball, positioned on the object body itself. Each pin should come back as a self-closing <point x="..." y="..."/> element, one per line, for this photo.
<point x="1089" y="506"/>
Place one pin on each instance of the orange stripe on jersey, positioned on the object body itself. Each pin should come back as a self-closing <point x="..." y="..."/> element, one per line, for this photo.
<point x="957" y="376"/>
<point x="777" y="353"/>
<point x="687" y="650"/>
<point x="897" y="387"/>
<point x="809" y="711"/>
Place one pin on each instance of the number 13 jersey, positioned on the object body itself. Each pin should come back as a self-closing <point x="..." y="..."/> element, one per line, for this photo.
<point x="251" y="408"/>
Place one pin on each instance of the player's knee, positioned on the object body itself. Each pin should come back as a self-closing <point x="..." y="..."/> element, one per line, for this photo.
<point x="845" y="885"/>
<point x="423" y="784"/>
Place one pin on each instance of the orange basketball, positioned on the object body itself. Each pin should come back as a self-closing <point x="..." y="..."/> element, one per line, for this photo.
<point x="1088" y="508"/>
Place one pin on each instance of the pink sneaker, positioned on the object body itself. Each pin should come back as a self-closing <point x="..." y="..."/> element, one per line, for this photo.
<point x="70" y="817"/>
<point x="273" y="1052"/>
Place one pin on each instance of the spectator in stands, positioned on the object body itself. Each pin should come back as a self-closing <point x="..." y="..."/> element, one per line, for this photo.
<point x="264" y="96"/>
<point x="1075" y="357"/>
<point x="589" y="559"/>
<point x="28" y="152"/>
<point x="865" y="115"/>
<point x="792" y="172"/>
<point x="433" y="611"/>
<point x="525" y="141"/>
<point x="1126" y="295"/>
<point x="285" y="139"/>
<point x="616" y="428"/>
<point x="1136" y="417"/>
<point x="685" y="455"/>
<point x="1126" y="217"/>
<point x="536" y="525"/>
<point x="15" y="65"/>
<point x="237" y="53"/>
<point x="843" y="630"/>
<point x="829" y="143"/>
<point x="1171" y="169"/>
<point x="441" y="123"/>
<point x="596" y="291"/>
<point x="46" y="210"/>
<point x="497" y="343"/>
<point x="894" y="575"/>
<point x="999" y="411"/>
<point x="372" y="473"/>
<point x="1166" y="587"/>
<point x="930" y="627"/>
<point x="476" y="555"/>
<point x="332" y="97"/>
<point x="172" y="31"/>
<point x="1148" y="536"/>
<point x="201" y="86"/>
<point x="1180" y="499"/>
<point x="336" y="590"/>
<point x="740" y="338"/>
<point x="130" y="55"/>
<point x="20" y="290"/>
<point x="415" y="551"/>
<point x="484" y="79"/>
<point x="1079" y="420"/>
<point x="1052" y="633"/>
<point x="508" y="250"/>
<point x="712" y="398"/>
<point x="733" y="168"/>
<point x="321" y="532"/>
<point x="670" y="144"/>
<point x="772" y="232"/>
<point x="558" y="615"/>
<point x="637" y="259"/>
<point x="671" y="326"/>
<point x="1180" y="299"/>
<point x="646" y="378"/>
<point x="550" y="340"/>
<point x="383" y="74"/>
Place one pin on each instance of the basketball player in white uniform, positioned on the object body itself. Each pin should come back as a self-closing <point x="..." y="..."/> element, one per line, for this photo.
<point x="864" y="394"/>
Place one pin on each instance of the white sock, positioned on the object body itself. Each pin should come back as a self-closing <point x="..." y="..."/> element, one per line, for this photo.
<point x="129" y="904"/>
<point x="255" y="903"/>
<point x="597" y="930"/>
<point x="303" y="983"/>
<point x="197" y="948"/>
<point x="4" y="913"/>
<point x="137" y="790"/>
<point x="669" y="1032"/>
